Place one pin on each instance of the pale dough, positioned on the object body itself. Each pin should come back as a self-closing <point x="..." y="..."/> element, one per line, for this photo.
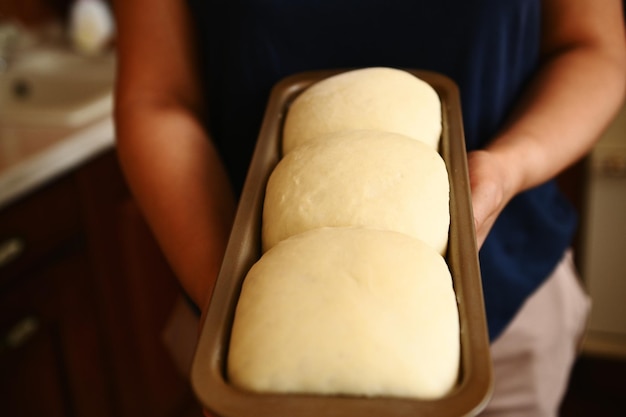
<point x="347" y="311"/>
<point x="371" y="98"/>
<point x="359" y="178"/>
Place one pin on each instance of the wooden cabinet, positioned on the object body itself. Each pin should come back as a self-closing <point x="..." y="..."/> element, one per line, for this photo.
<point x="84" y="296"/>
<point x="53" y="361"/>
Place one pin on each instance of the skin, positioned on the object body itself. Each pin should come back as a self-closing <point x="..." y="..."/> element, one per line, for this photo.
<point x="179" y="181"/>
<point x="170" y="162"/>
<point x="573" y="97"/>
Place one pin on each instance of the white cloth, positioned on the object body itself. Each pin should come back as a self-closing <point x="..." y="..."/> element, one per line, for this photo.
<point x="534" y="355"/>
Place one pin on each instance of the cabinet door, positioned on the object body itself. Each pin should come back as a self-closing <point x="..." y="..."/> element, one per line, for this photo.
<point x="137" y="292"/>
<point x="51" y="358"/>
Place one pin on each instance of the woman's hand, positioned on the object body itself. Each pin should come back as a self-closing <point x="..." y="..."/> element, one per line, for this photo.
<point x="563" y="110"/>
<point x="490" y="188"/>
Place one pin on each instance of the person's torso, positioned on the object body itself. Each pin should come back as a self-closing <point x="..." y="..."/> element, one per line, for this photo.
<point x="490" y="48"/>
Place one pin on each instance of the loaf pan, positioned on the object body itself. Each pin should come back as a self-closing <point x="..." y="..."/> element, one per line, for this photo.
<point x="208" y="373"/>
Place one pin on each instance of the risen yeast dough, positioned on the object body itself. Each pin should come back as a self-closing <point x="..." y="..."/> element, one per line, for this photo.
<point x="347" y="311"/>
<point x="359" y="178"/>
<point x="371" y="98"/>
<point x="351" y="294"/>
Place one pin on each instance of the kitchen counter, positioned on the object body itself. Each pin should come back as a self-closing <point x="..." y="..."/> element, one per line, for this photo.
<point x="30" y="157"/>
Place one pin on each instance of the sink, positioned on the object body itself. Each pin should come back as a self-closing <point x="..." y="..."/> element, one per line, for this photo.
<point x="56" y="87"/>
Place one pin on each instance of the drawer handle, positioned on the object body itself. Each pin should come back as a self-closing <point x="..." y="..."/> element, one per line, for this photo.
<point x="10" y="250"/>
<point x="20" y="333"/>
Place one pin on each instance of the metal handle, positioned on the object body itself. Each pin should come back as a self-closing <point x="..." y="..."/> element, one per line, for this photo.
<point x="20" y="333"/>
<point x="10" y="250"/>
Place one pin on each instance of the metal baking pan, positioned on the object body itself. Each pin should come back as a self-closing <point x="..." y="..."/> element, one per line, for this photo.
<point x="208" y="372"/>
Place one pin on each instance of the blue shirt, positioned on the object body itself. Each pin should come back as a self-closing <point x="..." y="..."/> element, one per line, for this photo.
<point x="489" y="47"/>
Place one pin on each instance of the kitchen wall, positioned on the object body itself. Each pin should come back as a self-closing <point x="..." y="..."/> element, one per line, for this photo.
<point x="603" y="241"/>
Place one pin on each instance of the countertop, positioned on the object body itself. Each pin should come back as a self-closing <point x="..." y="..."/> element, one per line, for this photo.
<point x="30" y="157"/>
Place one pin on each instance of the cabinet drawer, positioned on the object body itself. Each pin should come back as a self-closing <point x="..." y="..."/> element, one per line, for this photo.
<point x="52" y="354"/>
<point x="34" y="227"/>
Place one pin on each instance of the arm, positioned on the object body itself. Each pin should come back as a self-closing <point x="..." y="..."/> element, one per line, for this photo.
<point x="171" y="165"/>
<point x="572" y="99"/>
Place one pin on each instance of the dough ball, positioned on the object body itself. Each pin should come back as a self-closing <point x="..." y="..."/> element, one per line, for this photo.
<point x="371" y="98"/>
<point x="359" y="178"/>
<point x="347" y="311"/>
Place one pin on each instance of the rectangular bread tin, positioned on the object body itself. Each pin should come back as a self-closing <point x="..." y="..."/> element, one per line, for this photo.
<point x="244" y="248"/>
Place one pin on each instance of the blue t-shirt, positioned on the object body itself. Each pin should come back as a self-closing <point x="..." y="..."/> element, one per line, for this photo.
<point x="490" y="48"/>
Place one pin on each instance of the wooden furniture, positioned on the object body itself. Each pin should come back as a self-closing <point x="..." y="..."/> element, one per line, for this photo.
<point x="84" y="295"/>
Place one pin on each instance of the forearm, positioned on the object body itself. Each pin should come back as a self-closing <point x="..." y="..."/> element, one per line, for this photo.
<point x="171" y="165"/>
<point x="569" y="104"/>
<point x="570" y="101"/>
<point x="179" y="182"/>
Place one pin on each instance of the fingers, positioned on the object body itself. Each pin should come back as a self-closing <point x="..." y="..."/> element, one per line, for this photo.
<point x="488" y="191"/>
